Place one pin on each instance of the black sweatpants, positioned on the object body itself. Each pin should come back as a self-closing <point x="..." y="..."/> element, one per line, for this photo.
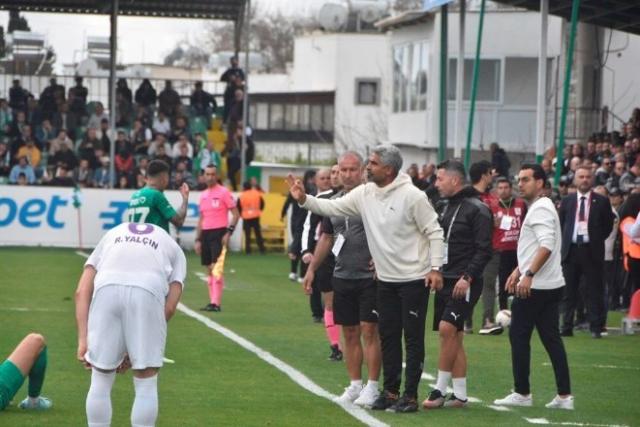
<point x="403" y="309"/>
<point x="540" y="310"/>
<point x="247" y="226"/>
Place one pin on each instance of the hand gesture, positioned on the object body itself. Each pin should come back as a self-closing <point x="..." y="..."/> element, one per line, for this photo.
<point x="184" y="191"/>
<point x="296" y="189"/>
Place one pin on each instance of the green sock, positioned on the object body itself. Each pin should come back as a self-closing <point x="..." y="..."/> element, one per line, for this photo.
<point x="36" y="375"/>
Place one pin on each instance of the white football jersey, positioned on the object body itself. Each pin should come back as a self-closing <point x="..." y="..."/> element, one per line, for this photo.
<point x="141" y="255"/>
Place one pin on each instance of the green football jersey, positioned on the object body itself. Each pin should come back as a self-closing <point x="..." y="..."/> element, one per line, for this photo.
<point x="150" y="206"/>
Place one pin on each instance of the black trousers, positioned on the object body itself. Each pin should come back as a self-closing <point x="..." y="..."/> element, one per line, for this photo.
<point x="581" y="264"/>
<point x="403" y="310"/>
<point x="247" y="226"/>
<point x="540" y="310"/>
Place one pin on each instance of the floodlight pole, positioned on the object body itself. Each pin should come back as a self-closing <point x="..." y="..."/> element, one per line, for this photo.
<point x="113" y="48"/>
<point x="542" y="81"/>
<point x="444" y="44"/>
<point x="457" y="128"/>
<point x="565" y="95"/>
<point x="245" y="101"/>
<point x="474" y="87"/>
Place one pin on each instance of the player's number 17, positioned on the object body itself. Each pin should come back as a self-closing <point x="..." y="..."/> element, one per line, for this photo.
<point x="138" y="215"/>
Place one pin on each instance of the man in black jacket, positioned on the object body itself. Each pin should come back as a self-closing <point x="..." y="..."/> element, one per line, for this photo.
<point x="586" y="220"/>
<point x="467" y="225"/>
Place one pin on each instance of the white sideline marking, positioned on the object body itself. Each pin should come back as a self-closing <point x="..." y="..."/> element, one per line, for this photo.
<point x="297" y="376"/>
<point x="568" y="423"/>
<point x="633" y="368"/>
<point x="499" y="408"/>
<point x="26" y="309"/>
<point x="537" y="420"/>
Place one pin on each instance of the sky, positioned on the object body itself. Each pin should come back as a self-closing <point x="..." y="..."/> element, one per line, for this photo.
<point x="139" y="39"/>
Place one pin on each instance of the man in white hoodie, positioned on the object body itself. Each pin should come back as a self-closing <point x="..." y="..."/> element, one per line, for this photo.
<point x="406" y="244"/>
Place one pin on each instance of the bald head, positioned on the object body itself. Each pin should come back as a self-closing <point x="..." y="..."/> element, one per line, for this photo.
<point x="323" y="179"/>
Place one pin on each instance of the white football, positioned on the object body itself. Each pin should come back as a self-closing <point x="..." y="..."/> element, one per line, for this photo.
<point x="503" y="318"/>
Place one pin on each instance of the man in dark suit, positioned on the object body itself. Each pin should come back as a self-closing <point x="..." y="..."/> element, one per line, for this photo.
<point x="586" y="219"/>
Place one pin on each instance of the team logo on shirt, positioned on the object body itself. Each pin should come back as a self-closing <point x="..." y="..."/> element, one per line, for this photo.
<point x="140" y="228"/>
<point x="215" y="203"/>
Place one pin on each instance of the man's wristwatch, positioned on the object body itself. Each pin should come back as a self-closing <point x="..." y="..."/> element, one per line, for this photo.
<point x="438" y="269"/>
<point x="529" y="273"/>
<point x="231" y="228"/>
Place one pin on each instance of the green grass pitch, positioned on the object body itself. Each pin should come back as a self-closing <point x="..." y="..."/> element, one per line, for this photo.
<point x="216" y="382"/>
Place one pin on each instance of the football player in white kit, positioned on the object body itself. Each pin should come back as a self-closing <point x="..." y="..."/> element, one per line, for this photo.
<point x="129" y="289"/>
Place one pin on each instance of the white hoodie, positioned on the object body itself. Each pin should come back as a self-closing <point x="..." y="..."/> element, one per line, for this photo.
<point x="404" y="237"/>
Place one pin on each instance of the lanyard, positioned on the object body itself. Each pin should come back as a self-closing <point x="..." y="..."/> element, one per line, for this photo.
<point x="505" y="206"/>
<point x="455" y="214"/>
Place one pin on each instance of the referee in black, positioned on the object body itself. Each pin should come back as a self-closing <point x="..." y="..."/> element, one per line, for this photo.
<point x="538" y="286"/>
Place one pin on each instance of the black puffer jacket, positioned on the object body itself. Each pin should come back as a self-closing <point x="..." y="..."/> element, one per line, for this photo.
<point x="470" y="239"/>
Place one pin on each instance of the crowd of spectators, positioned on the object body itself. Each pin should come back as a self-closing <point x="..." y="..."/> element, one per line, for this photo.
<point x="62" y="138"/>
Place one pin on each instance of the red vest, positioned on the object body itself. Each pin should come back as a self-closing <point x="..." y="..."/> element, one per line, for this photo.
<point x="505" y="232"/>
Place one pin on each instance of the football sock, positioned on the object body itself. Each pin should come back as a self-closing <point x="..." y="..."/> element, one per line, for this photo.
<point x="98" y="403"/>
<point x="145" y="405"/>
<point x="443" y="381"/>
<point x="333" y="331"/>
<point x="218" y="286"/>
<point x="211" y="291"/>
<point x="356" y="383"/>
<point x="36" y="375"/>
<point x="372" y="384"/>
<point x="460" y="388"/>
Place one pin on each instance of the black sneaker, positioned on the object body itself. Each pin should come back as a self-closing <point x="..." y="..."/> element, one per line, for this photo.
<point x="384" y="401"/>
<point x="336" y="353"/>
<point x="404" y="405"/>
<point x="208" y="307"/>
<point x="435" y="400"/>
<point x="317" y="319"/>
<point x="453" y="402"/>
<point x="216" y="307"/>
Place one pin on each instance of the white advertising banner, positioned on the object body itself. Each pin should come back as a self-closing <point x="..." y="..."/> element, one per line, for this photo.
<point x="46" y="216"/>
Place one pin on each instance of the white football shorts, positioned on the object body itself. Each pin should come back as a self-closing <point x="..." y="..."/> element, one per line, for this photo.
<point x="125" y="320"/>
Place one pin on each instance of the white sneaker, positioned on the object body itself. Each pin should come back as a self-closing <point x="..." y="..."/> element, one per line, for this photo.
<point x="293" y="277"/>
<point x="368" y="395"/>
<point x="515" y="399"/>
<point x="350" y="394"/>
<point x="561" y="403"/>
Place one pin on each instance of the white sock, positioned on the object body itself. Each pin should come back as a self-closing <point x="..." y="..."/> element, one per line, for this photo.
<point x="443" y="381"/>
<point x="372" y="384"/>
<point x="98" y="403"/>
<point x="460" y="388"/>
<point x="356" y="383"/>
<point x="145" y="405"/>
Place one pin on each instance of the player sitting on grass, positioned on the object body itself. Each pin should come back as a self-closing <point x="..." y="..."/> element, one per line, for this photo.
<point x="29" y="358"/>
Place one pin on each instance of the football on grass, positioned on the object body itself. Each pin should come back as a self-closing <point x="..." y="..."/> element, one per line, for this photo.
<point x="503" y="318"/>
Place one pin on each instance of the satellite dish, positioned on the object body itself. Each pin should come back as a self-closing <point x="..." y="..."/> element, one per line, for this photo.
<point x="369" y="11"/>
<point x="333" y="16"/>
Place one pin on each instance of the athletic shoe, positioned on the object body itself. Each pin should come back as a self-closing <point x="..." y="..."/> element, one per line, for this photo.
<point x="41" y="404"/>
<point x="317" y="319"/>
<point x="491" y="330"/>
<point x="216" y="307"/>
<point x="435" y="400"/>
<point x="300" y="280"/>
<point x="515" y="399"/>
<point x="561" y="403"/>
<point x="293" y="277"/>
<point x="367" y="397"/>
<point x="453" y="402"/>
<point x="385" y="400"/>
<point x="468" y="330"/>
<point x="208" y="307"/>
<point x="604" y="331"/>
<point x="336" y="353"/>
<point x="404" y="405"/>
<point x="350" y="394"/>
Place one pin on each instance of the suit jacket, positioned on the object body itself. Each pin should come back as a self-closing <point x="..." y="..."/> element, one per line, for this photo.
<point x="600" y="223"/>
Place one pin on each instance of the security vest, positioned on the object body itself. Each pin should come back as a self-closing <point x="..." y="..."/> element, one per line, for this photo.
<point x="250" y="203"/>
<point x="630" y="249"/>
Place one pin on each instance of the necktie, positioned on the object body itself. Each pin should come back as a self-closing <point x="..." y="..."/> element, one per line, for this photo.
<point x="581" y="217"/>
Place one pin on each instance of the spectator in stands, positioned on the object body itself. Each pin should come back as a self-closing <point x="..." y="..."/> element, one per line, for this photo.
<point x="105" y="135"/>
<point x="618" y="170"/>
<point x="574" y="164"/>
<point x="603" y="173"/>
<point x="22" y="167"/>
<point x="547" y="166"/>
<point x="5" y="160"/>
<point x="182" y="142"/>
<point x="143" y="116"/>
<point x="630" y="179"/>
<point x="183" y="157"/>
<point x="83" y="175"/>
<point x="233" y="71"/>
<point x="232" y="151"/>
<point x="59" y="141"/>
<point x="169" y="101"/>
<point x="64" y="156"/>
<point x="34" y="112"/>
<point x="123" y="89"/>
<point x="62" y="178"/>
<point x="22" y="179"/>
<point x="203" y="104"/>
<point x="141" y="168"/>
<point x="207" y="155"/>
<point x="499" y="160"/>
<point x="50" y="97"/>
<point x="160" y="139"/>
<point x="140" y="137"/>
<point x="161" y="124"/>
<point x="98" y="116"/>
<point x="78" y="99"/>
<point x="123" y="182"/>
<point x="18" y="97"/>
<point x="88" y="146"/>
<point x="45" y="132"/>
<point x="123" y="143"/>
<point x="183" y="171"/>
<point x="64" y="120"/>
<point x="228" y="97"/>
<point x="33" y="155"/>
<point x="6" y="117"/>
<point x="124" y="111"/>
<point x="124" y="164"/>
<point x="180" y="128"/>
<point x="161" y="154"/>
<point x="102" y="176"/>
<point x="19" y="122"/>
<point x="237" y="107"/>
<point x="428" y="174"/>
<point x="414" y="174"/>
<point x="146" y="95"/>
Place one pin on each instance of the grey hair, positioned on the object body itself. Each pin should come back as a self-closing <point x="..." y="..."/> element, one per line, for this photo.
<point x="354" y="154"/>
<point x="389" y="156"/>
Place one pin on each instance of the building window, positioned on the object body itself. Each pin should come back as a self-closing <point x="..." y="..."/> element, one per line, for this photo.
<point x="276" y="118"/>
<point x="367" y="91"/>
<point x="410" y="70"/>
<point x="261" y="111"/>
<point x="489" y="80"/>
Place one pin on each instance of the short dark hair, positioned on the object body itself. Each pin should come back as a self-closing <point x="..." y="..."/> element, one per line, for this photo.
<point x="538" y="172"/>
<point x="502" y="179"/>
<point x="453" y="166"/>
<point x="478" y="169"/>
<point x="246" y="185"/>
<point x="157" y="167"/>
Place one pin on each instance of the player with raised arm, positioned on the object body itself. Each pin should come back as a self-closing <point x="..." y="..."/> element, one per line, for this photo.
<point x="149" y="205"/>
<point x="129" y="289"/>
